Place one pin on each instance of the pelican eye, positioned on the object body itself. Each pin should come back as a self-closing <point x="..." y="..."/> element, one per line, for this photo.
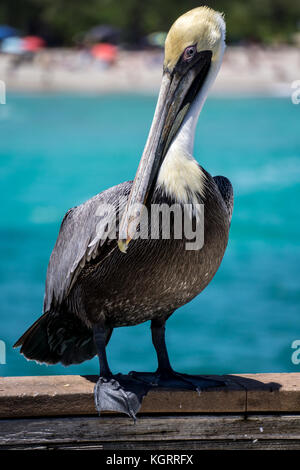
<point x="189" y="53"/>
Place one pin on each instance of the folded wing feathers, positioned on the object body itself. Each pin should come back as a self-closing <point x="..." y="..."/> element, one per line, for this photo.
<point x="80" y="239"/>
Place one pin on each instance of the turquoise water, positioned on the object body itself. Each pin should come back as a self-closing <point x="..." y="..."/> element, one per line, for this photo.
<point x="57" y="151"/>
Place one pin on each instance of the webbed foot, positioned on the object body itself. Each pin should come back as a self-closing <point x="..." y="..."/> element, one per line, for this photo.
<point x="120" y="393"/>
<point x="172" y="379"/>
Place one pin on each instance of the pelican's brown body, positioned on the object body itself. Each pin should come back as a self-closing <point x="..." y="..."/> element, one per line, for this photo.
<point x="96" y="282"/>
<point x="154" y="277"/>
<point x="150" y="281"/>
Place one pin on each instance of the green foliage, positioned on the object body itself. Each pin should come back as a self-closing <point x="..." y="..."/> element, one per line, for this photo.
<point x="64" y="20"/>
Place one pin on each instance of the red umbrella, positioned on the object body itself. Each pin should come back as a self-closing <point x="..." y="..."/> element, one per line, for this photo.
<point x="33" y="43"/>
<point x="104" y="51"/>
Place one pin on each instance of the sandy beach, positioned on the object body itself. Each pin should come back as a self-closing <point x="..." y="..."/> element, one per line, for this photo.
<point x="245" y="70"/>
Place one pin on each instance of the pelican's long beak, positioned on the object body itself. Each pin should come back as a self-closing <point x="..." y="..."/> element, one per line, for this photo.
<point x="178" y="90"/>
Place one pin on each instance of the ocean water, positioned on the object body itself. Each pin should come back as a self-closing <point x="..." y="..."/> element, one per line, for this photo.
<point x="56" y="151"/>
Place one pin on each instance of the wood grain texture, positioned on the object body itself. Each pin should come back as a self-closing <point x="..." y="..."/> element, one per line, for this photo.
<point x="169" y="446"/>
<point x="69" y="395"/>
<point x="153" y="432"/>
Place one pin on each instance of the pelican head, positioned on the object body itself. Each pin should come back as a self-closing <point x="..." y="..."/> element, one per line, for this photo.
<point x="201" y="29"/>
<point x="194" y="49"/>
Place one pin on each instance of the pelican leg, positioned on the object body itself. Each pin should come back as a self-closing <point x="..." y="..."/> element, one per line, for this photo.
<point x="101" y="335"/>
<point x="158" y="331"/>
<point x="115" y="392"/>
<point x="165" y="376"/>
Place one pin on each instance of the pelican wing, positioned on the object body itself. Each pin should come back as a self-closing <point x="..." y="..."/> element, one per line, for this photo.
<point x="226" y="190"/>
<point x="84" y="231"/>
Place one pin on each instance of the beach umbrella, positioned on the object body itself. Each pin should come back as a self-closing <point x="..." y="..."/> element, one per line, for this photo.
<point x="157" y="39"/>
<point x="13" y="45"/>
<point x="103" y="33"/>
<point x="105" y="52"/>
<point x="7" y="31"/>
<point x="33" y="43"/>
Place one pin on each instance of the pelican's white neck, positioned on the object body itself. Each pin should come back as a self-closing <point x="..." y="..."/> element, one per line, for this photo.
<point x="186" y="134"/>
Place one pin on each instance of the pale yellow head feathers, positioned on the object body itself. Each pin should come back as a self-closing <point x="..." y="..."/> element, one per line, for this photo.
<point x="201" y="26"/>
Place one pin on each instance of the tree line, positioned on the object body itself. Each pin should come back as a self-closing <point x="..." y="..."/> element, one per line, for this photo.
<point x="61" y="22"/>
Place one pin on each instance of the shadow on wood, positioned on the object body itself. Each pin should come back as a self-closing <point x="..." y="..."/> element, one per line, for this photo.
<point x="73" y="395"/>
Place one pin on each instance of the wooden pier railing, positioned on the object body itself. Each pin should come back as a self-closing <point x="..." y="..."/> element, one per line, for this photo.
<point x="253" y="411"/>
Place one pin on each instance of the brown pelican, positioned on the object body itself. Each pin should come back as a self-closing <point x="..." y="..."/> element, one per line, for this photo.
<point x="95" y="282"/>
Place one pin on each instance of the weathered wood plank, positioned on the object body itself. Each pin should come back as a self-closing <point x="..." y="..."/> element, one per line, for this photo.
<point x="73" y="395"/>
<point x="154" y="432"/>
<point x="170" y="446"/>
<point x="273" y="398"/>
